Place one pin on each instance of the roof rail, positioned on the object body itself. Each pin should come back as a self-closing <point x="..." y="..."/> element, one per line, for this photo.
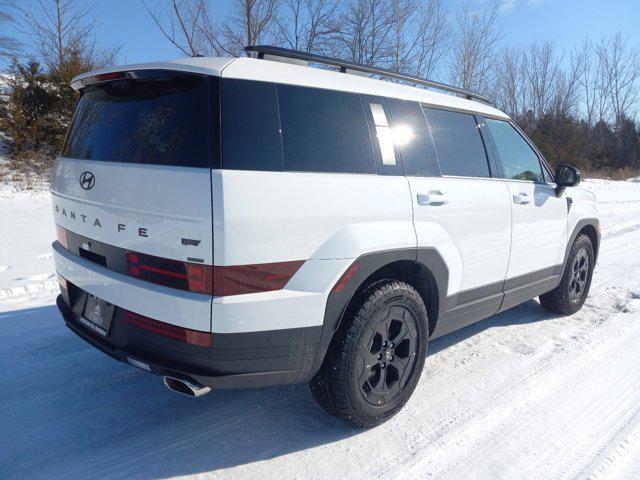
<point x="285" y="54"/>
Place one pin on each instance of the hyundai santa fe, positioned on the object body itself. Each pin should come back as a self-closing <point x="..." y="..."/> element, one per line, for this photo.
<point x="246" y="222"/>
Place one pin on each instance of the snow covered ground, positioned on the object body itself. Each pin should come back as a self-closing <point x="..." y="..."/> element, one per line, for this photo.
<point x="524" y="394"/>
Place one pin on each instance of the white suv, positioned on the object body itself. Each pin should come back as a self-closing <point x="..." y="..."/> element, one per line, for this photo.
<point x="254" y="221"/>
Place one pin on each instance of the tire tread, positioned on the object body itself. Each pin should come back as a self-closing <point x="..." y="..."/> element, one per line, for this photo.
<point x="330" y="385"/>
<point x="557" y="300"/>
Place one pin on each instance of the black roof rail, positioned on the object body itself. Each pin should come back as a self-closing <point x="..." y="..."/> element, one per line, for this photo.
<point x="345" y="66"/>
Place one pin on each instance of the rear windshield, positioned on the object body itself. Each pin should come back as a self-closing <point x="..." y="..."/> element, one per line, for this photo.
<point x="167" y="120"/>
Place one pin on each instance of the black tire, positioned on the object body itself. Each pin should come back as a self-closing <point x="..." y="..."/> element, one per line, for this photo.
<point x="568" y="297"/>
<point x="375" y="362"/>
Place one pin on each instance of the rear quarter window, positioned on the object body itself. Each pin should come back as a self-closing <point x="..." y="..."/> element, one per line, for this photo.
<point x="324" y="131"/>
<point x="166" y="121"/>
<point x="250" y="126"/>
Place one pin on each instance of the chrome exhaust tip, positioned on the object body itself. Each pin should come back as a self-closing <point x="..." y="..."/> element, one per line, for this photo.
<point x="185" y="387"/>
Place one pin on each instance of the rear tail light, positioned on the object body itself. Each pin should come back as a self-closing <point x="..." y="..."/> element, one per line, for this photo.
<point x="193" y="277"/>
<point x="61" y="235"/>
<point x="186" y="335"/>
<point x="262" y="277"/>
<point x="212" y="280"/>
<point x="199" y="278"/>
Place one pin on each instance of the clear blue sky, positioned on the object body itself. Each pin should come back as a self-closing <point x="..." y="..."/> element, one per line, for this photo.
<point x="566" y="22"/>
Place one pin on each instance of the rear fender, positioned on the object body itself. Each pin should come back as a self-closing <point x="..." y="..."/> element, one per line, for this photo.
<point x="368" y="264"/>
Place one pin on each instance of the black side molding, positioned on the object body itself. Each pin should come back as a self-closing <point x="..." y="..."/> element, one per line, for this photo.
<point x="592" y="222"/>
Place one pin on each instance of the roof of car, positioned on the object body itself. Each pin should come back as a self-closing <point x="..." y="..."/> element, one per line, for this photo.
<point x="246" y="68"/>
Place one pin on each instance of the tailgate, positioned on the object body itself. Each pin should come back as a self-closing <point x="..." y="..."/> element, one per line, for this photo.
<point x="154" y="209"/>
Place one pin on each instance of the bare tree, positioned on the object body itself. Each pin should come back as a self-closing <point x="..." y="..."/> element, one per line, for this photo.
<point x="63" y="34"/>
<point x="432" y="36"/>
<point x="593" y="102"/>
<point x="510" y="88"/>
<point x="8" y="45"/>
<point x="567" y="96"/>
<point x="362" y="32"/>
<point x="589" y="79"/>
<point x="542" y="74"/>
<point x="416" y="40"/>
<point x="190" y="25"/>
<point x="620" y="67"/>
<point x="306" y="24"/>
<point x="473" y="49"/>
<point x="251" y="22"/>
<point x="417" y="37"/>
<point x="532" y="81"/>
<point x="402" y="46"/>
<point x="593" y="97"/>
<point x="407" y="35"/>
<point x="187" y="25"/>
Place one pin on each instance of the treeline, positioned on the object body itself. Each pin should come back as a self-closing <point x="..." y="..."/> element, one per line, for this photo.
<point x="579" y="106"/>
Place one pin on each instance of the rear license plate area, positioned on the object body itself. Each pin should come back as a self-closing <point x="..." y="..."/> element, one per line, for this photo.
<point x="97" y="315"/>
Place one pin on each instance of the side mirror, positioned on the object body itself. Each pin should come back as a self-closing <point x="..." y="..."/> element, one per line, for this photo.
<point x="566" y="176"/>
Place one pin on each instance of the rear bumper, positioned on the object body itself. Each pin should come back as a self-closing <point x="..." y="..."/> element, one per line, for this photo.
<point x="261" y="339"/>
<point x="244" y="360"/>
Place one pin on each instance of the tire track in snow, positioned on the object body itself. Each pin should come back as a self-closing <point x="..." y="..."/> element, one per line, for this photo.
<point x="488" y="410"/>
<point x="612" y="430"/>
<point x="578" y="435"/>
<point x="452" y="428"/>
<point x="622" y="461"/>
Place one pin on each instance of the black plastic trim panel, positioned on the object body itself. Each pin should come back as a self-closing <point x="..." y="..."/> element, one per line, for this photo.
<point x="368" y="264"/>
<point x="593" y="222"/>
<point x="460" y="316"/>
<point x="453" y="312"/>
<point x="522" y="293"/>
<point x="235" y="360"/>
<point x="532" y="278"/>
<point x="115" y="257"/>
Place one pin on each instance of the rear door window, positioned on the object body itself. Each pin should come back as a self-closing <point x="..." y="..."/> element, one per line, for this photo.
<point x="324" y="131"/>
<point x="166" y="120"/>
<point x="459" y="147"/>
<point x="250" y="126"/>
<point x="519" y="160"/>
<point x="413" y="137"/>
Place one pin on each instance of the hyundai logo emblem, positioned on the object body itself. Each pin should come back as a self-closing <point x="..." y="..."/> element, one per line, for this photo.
<point x="87" y="180"/>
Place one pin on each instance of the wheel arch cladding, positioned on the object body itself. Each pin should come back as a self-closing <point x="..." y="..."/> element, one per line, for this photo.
<point x="422" y="268"/>
<point x="591" y="228"/>
<point x="591" y="231"/>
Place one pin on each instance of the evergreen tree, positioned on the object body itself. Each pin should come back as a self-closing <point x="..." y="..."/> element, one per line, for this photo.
<point x="31" y="120"/>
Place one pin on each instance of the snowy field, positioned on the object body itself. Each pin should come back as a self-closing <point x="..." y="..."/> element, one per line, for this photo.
<point x="523" y="395"/>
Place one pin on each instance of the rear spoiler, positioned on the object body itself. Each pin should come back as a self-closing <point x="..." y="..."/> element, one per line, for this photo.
<point x="203" y="66"/>
<point x="149" y="75"/>
<point x="79" y="83"/>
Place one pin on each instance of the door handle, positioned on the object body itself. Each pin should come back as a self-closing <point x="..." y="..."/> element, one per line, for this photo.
<point x="521" y="198"/>
<point x="434" y="198"/>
